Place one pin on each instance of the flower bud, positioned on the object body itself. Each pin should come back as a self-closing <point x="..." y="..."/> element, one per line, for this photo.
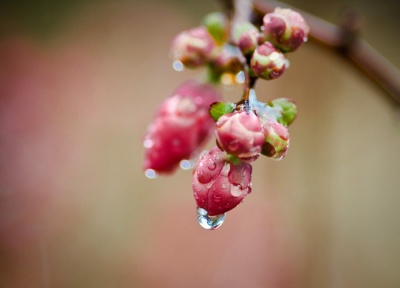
<point x="267" y="62"/>
<point x="194" y="47"/>
<point x="246" y="37"/>
<point x="218" y="26"/>
<point x="276" y="139"/>
<point x="286" y="29"/>
<point x="218" y="184"/>
<point x="228" y="61"/>
<point x="181" y="126"/>
<point x="240" y="134"/>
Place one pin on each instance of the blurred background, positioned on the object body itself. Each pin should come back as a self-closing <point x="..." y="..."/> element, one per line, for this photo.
<point x="80" y="81"/>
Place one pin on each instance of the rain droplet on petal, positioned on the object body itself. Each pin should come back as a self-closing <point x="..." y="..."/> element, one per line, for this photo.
<point x="211" y="166"/>
<point x="151" y="174"/>
<point x="178" y="66"/>
<point x="148" y="143"/>
<point x="209" y="222"/>
<point x="186" y="164"/>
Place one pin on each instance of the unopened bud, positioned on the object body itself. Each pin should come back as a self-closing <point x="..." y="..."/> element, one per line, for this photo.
<point x="218" y="184"/>
<point x="240" y="134"/>
<point x="286" y="29"/>
<point x="181" y="126"/>
<point x="276" y="139"/>
<point x="228" y="61"/>
<point x="194" y="47"/>
<point x="246" y="37"/>
<point x="267" y="62"/>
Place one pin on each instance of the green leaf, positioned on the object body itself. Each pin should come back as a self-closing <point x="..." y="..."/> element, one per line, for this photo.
<point x="216" y="24"/>
<point x="287" y="108"/>
<point x="218" y="109"/>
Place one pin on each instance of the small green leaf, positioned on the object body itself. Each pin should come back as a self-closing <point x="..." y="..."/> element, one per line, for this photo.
<point x="218" y="109"/>
<point x="287" y="108"/>
<point x="216" y="24"/>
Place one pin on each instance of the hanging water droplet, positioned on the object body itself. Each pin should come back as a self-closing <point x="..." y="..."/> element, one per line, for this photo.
<point x="178" y="66"/>
<point x="209" y="222"/>
<point x="186" y="164"/>
<point x="305" y="39"/>
<point x="151" y="174"/>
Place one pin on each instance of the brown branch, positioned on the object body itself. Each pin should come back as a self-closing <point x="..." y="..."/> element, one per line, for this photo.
<point x="345" y="40"/>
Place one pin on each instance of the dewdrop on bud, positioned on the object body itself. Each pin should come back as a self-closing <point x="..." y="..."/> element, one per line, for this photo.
<point x="286" y="29"/>
<point x="193" y="47"/>
<point x="267" y="62"/>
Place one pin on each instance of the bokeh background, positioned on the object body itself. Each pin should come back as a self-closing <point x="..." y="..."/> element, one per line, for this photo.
<point x="80" y="81"/>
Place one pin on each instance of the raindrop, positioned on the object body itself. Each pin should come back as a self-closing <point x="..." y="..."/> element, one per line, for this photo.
<point x="209" y="222"/>
<point x="216" y="198"/>
<point x="150" y="173"/>
<point x="148" y="143"/>
<point x="305" y="39"/>
<point x="178" y="66"/>
<point x="211" y="166"/>
<point x="186" y="164"/>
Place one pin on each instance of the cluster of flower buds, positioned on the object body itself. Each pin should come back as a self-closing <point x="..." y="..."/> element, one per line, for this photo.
<point x="243" y="130"/>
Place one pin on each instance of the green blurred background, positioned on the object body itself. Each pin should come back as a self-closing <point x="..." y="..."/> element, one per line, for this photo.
<point x="80" y="81"/>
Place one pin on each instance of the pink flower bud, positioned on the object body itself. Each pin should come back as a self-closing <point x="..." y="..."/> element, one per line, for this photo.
<point x="246" y="37"/>
<point x="181" y="126"/>
<point x="194" y="47"/>
<point x="276" y="139"/>
<point x="228" y="60"/>
<point x="240" y="134"/>
<point x="286" y="29"/>
<point x="267" y="62"/>
<point x="219" y="185"/>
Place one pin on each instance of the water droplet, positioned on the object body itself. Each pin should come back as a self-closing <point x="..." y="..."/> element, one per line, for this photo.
<point x="209" y="222"/>
<point x="240" y="77"/>
<point x="217" y="198"/>
<point x="178" y="66"/>
<point x="305" y="39"/>
<point x="203" y="153"/>
<point x="151" y="174"/>
<point x="148" y="143"/>
<point x="212" y="165"/>
<point x="186" y="164"/>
